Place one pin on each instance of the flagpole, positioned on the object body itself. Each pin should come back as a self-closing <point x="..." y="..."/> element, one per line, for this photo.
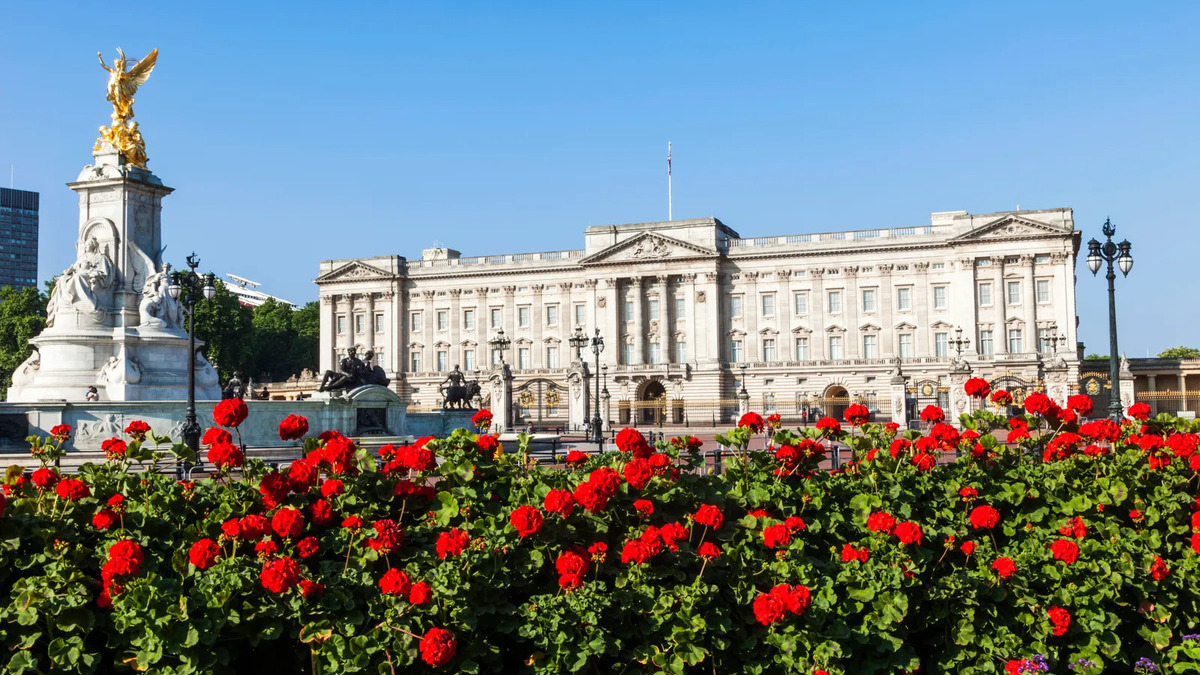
<point x="669" y="181"/>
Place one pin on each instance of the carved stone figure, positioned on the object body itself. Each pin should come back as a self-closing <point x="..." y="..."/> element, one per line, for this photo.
<point x="76" y="290"/>
<point x="158" y="308"/>
<point x="234" y="388"/>
<point x="110" y="371"/>
<point x="206" y="375"/>
<point x="353" y="372"/>
<point x="25" y="371"/>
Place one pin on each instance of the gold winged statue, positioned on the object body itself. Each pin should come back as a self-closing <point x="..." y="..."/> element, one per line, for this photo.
<point x="122" y="85"/>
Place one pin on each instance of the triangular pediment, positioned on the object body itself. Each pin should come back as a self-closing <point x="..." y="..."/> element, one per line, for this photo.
<point x="354" y="271"/>
<point x="647" y="247"/>
<point x="1011" y="227"/>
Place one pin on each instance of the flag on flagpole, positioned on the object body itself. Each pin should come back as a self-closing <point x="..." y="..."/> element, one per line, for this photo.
<point x="668" y="158"/>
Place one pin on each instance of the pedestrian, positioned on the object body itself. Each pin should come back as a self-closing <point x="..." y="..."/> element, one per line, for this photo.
<point x="92" y="394"/>
<point x="587" y="429"/>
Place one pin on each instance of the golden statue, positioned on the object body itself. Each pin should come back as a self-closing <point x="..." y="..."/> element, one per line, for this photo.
<point x="122" y="85"/>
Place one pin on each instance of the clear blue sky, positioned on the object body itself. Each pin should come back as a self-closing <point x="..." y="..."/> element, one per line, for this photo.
<point x="311" y="130"/>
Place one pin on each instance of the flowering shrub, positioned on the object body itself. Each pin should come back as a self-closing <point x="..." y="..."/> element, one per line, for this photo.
<point x="1072" y="549"/>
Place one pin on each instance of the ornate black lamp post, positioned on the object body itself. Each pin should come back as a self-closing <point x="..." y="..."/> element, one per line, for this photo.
<point x="959" y="342"/>
<point x="743" y="389"/>
<point x="578" y="340"/>
<point x="1110" y="253"/>
<point x="193" y="281"/>
<point x="597" y="349"/>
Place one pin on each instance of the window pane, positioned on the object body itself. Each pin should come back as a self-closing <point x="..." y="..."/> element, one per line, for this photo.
<point x="443" y="319"/>
<point x="442" y="357"/>
<point x="523" y="358"/>
<point x="628" y="309"/>
<point x="801" y="303"/>
<point x="378" y="323"/>
<point x="768" y="350"/>
<point x="627" y="353"/>
<point x="523" y="316"/>
<point x="801" y="349"/>
<point x="904" y="299"/>
<point x="768" y="304"/>
<point x="1014" y="340"/>
<point x="985" y="343"/>
<point x="497" y="318"/>
<point x="469" y="319"/>
<point x="469" y="360"/>
<point x="985" y="294"/>
<point x="579" y="315"/>
<point x="835" y="302"/>
<point x="870" y="347"/>
<point x="359" y="326"/>
<point x="735" y="351"/>
<point x="835" y="347"/>
<point x="655" y="353"/>
<point x="906" y="345"/>
<point x="868" y="300"/>
<point x="1043" y="290"/>
<point x="551" y="357"/>
<point x="681" y="352"/>
<point x="941" y="346"/>
<point x="939" y="297"/>
<point x="341" y="324"/>
<point x="735" y="306"/>
<point x="680" y="309"/>
<point x="552" y="315"/>
<point x="414" y="323"/>
<point x="1014" y="292"/>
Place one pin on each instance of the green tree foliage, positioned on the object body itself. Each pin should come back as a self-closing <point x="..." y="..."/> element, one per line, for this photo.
<point x="1180" y="353"/>
<point x="1096" y="357"/>
<point x="22" y="316"/>
<point x="307" y="323"/>
<point x="225" y="326"/>
<point x="284" y="340"/>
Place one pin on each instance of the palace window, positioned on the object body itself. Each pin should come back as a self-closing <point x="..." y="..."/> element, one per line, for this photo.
<point x="551" y="357"/>
<point x="680" y="309"/>
<point x="359" y="324"/>
<point x="551" y="315"/>
<point x="580" y="314"/>
<point x="468" y="360"/>
<point x="986" y="346"/>
<point x="939" y="297"/>
<point x="801" y="349"/>
<point x="735" y="306"/>
<point x="653" y="309"/>
<point x="523" y="358"/>
<point x="985" y="294"/>
<point x="905" y="345"/>
<point x="1014" y="341"/>
<point x="870" y="346"/>
<point x="801" y="302"/>
<point x="680" y="351"/>
<point x="655" y="352"/>
<point x="868" y="300"/>
<point x="768" y="304"/>
<point x="627" y="353"/>
<point x="497" y="317"/>
<point x="627" y="310"/>
<point x="1044" y="335"/>
<point x="495" y="356"/>
<point x="523" y="316"/>
<point x="341" y="324"/>
<point x="468" y="319"/>
<point x="1043" y="290"/>
<point x="414" y="362"/>
<point x="414" y="322"/>
<point x="904" y="299"/>
<point x="443" y="319"/>
<point x="941" y="344"/>
<point x="442" y="359"/>
<point x="768" y="350"/>
<point x="735" y="351"/>
<point x="835" y="302"/>
<point x="379" y="322"/>
<point x="835" y="347"/>
<point x="1014" y="292"/>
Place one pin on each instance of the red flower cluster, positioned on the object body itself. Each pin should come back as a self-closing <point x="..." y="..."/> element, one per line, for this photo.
<point x="414" y="457"/>
<point x="1140" y="411"/>
<point x="1075" y="527"/>
<point x="1065" y="550"/>
<point x="104" y="519"/>
<point x="452" y="543"/>
<point x="1061" y="619"/>
<point x="1004" y="567"/>
<point x="933" y="413"/>
<point x="881" y="521"/>
<point x="293" y="427"/>
<point x="709" y="551"/>
<point x="287" y="522"/>
<point x="125" y="560"/>
<point x="225" y="456"/>
<point x="794" y="458"/>
<point x="1081" y="404"/>
<point x="1158" y="569"/>
<point x="60" y="432"/>
<point x="752" y="421"/>
<point x="395" y="582"/>
<point x="203" y="554"/>
<point x="1002" y="398"/>
<point x="773" y="605"/>
<point x="280" y="574"/>
<point x="689" y="443"/>
<point x="777" y="536"/>
<point x="850" y="553"/>
<point x="438" y="646"/>
<point x="71" y="489"/>
<point x="984" y="517"/>
<point x="593" y="494"/>
<point x="908" y="532"/>
<point x="487" y="445"/>
<point x="230" y="412"/>
<point x="828" y="427"/>
<point x="559" y="501"/>
<point x="632" y="441"/>
<point x="977" y="387"/>
<point x="388" y="537"/>
<point x="709" y="516"/>
<point x="638" y="473"/>
<point x="644" y="507"/>
<point x="856" y="414"/>
<point x="137" y="430"/>
<point x="774" y="421"/>
<point x="527" y="520"/>
<point x="216" y="435"/>
<point x="482" y="420"/>
<point x="572" y="568"/>
<point x="114" y="448"/>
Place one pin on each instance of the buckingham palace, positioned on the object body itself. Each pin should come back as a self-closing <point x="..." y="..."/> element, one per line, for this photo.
<point x="699" y="322"/>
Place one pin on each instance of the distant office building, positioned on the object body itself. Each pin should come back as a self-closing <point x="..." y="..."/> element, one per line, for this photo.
<point x="18" y="238"/>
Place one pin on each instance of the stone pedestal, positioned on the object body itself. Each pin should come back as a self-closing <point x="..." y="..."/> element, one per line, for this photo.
<point x="110" y="322"/>
<point x="578" y="395"/>
<point x="960" y="403"/>
<point x="499" y="379"/>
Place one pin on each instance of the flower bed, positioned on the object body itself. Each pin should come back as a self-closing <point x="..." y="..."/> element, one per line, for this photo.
<point x="1071" y="550"/>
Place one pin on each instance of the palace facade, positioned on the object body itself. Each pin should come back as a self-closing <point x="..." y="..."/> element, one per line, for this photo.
<point x="695" y="317"/>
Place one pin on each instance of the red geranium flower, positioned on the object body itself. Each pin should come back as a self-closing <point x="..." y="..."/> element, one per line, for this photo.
<point x="571" y="568"/>
<point x="203" y="554"/>
<point x="752" y="421"/>
<point x="72" y="489"/>
<point x="216" y="435"/>
<point x="968" y="547"/>
<point x="452" y="543"/>
<point x="420" y="594"/>
<point x="438" y="647"/>
<point x="644" y="507"/>
<point x="708" y="551"/>
<point x="632" y="441"/>
<point x="1061" y="619"/>
<point x="307" y="546"/>
<point x="576" y="457"/>
<point x="526" y="519"/>
<point x="226" y="456"/>
<point x="104" y="518"/>
<point x="1158" y="569"/>
<point x="280" y="574"/>
<point x="388" y="536"/>
<point x="1075" y="527"/>
<point x="709" y="516"/>
<point x="114" y="448"/>
<point x="908" y="532"/>
<point x="850" y="553"/>
<point x="395" y="582"/>
<point x="287" y="522"/>
<point x="230" y="412"/>
<point x="933" y="413"/>
<point x="44" y="478"/>
<point x="638" y="473"/>
<point x="137" y="430"/>
<point x="253" y="527"/>
<point x="773" y="605"/>
<point x="482" y="420"/>
<point x="881" y="521"/>
<point x="1002" y="398"/>
<point x="1038" y="403"/>
<point x="777" y="536"/>
<point x="1140" y="411"/>
<point x="310" y="588"/>
<point x="828" y="427"/>
<point x="984" y="517"/>
<point x="60" y="432"/>
<point x="1004" y="567"/>
<point x="560" y="502"/>
<point x="1065" y="550"/>
<point x="488" y="445"/>
<point x="977" y="387"/>
<point x="924" y="461"/>
<point x="856" y="414"/>
<point x="1081" y="404"/>
<point x="293" y="427"/>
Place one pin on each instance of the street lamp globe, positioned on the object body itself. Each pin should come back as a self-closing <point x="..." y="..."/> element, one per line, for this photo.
<point x="1093" y="259"/>
<point x="174" y="288"/>
<point x="210" y="289"/>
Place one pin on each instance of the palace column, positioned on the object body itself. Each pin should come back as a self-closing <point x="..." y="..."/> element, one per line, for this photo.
<point x="637" y="287"/>
<point x="1031" y="324"/>
<point x="1000" y="302"/>
<point x="455" y="340"/>
<point x="886" y="311"/>
<point x="663" y="286"/>
<point x="818" y="344"/>
<point x="709" y="337"/>
<point x="752" y="307"/>
<point x="429" y="355"/>
<point x="369" y="338"/>
<point x="328" y="360"/>
<point x="688" y="286"/>
<point x="921" y="307"/>
<point x="538" y="319"/>
<point x="510" y="319"/>
<point x="853" y="334"/>
<point x="483" y="318"/>
<point x="785" y="348"/>
<point x="608" y="319"/>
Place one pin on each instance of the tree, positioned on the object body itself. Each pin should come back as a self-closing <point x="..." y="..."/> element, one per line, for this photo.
<point x="272" y="342"/>
<point x="1096" y="357"/>
<point x="307" y="323"/>
<point x="22" y="316"/>
<point x="1180" y="353"/>
<point x="225" y="326"/>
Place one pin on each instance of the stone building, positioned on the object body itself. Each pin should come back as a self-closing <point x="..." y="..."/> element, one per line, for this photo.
<point x="699" y="322"/>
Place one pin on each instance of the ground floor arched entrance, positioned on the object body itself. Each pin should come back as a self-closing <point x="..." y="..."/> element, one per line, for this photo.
<point x="652" y="403"/>
<point x="837" y="399"/>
